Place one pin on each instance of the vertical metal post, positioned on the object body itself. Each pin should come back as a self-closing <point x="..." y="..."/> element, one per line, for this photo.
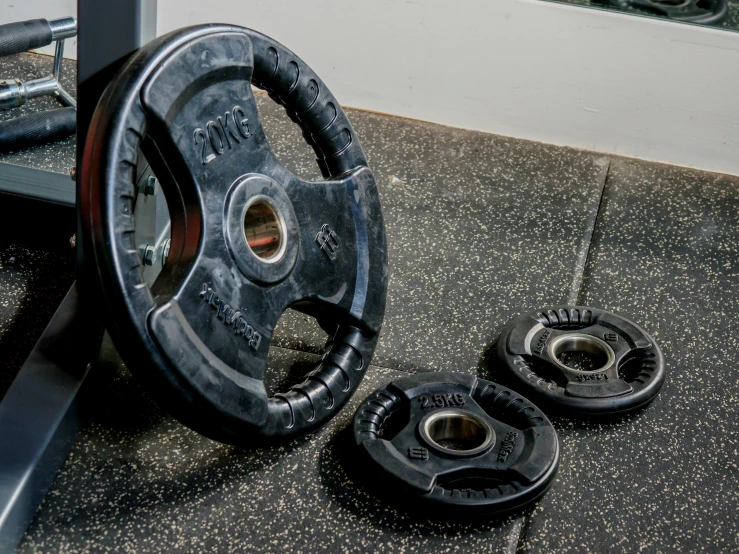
<point x="38" y="418"/>
<point x="38" y="414"/>
<point x="108" y="33"/>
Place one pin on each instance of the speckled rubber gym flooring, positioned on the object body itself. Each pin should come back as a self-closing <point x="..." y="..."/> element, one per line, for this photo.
<point x="59" y="156"/>
<point x="480" y="228"/>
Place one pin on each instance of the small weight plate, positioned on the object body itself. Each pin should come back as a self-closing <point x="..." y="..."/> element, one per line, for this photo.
<point x="576" y="360"/>
<point x="248" y="237"/>
<point x="457" y="445"/>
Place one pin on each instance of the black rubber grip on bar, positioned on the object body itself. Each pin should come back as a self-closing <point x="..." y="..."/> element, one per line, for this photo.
<point x="23" y="36"/>
<point x="38" y="128"/>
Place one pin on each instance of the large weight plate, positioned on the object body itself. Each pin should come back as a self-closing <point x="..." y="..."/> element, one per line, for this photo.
<point x="576" y="360"/>
<point x="248" y="238"/>
<point x="455" y="445"/>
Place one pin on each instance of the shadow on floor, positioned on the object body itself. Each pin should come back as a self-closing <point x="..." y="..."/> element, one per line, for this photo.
<point x="34" y="283"/>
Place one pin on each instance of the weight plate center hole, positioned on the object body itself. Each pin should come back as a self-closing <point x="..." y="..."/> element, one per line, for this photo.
<point x="264" y="230"/>
<point x="457" y="433"/>
<point x="582" y="352"/>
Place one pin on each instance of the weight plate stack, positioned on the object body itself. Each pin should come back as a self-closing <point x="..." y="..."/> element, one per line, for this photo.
<point x="248" y="238"/>
<point x="455" y="445"/>
<point x="704" y="12"/>
<point x="580" y="361"/>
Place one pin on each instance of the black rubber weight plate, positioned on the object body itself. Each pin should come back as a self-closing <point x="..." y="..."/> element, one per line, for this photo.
<point x="575" y="360"/>
<point x="249" y="238"/>
<point x="455" y="445"/>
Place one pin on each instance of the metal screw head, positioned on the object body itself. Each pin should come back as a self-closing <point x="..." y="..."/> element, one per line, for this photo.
<point x="165" y="251"/>
<point x="149" y="255"/>
<point x="150" y="186"/>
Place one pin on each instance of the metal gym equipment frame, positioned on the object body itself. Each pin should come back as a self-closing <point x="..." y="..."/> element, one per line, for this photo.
<point x="38" y="414"/>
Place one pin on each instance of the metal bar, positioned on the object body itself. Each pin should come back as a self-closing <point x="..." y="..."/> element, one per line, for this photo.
<point x="58" y="59"/>
<point x="63" y="28"/>
<point x="44" y="86"/>
<point x="38" y="419"/>
<point x="65" y="97"/>
<point x="19" y="180"/>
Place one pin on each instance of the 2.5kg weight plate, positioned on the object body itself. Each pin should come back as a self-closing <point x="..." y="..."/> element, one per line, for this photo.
<point x="576" y="360"/>
<point x="454" y="444"/>
<point x="248" y="238"/>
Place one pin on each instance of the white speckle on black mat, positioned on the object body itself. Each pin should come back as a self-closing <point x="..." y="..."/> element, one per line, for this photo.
<point x="138" y="481"/>
<point x="666" y="255"/>
<point x="480" y="228"/>
<point x="32" y="284"/>
<point x="58" y="156"/>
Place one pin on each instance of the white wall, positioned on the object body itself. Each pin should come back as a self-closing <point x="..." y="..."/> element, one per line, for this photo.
<point x="525" y="68"/>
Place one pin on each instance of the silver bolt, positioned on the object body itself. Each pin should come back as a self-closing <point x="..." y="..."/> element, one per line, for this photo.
<point x="150" y="186"/>
<point x="165" y="252"/>
<point x="149" y="255"/>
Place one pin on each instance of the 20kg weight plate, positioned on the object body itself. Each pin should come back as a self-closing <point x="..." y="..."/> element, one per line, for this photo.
<point x="576" y="360"/>
<point x="455" y="444"/>
<point x="248" y="238"/>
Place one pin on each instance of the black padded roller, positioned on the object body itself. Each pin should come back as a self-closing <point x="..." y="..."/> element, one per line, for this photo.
<point x="38" y="128"/>
<point x="23" y="36"/>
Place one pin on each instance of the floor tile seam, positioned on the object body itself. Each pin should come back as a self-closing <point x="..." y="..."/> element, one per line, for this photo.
<point x="578" y="283"/>
<point x="574" y="297"/>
